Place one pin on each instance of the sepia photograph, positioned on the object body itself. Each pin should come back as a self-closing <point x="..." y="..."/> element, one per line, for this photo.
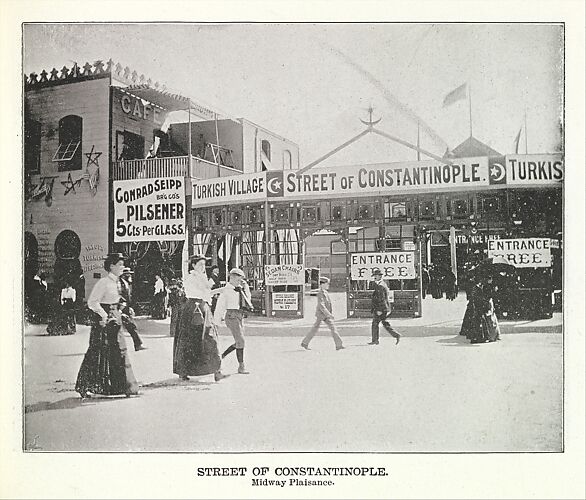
<point x="320" y="238"/>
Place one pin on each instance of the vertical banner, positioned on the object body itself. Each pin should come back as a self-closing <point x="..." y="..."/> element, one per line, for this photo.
<point x="149" y="210"/>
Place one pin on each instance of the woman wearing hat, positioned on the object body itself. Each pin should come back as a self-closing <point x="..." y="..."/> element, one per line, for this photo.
<point x="195" y="347"/>
<point x="106" y="367"/>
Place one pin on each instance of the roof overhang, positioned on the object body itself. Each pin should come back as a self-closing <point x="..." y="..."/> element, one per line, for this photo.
<point x="170" y="101"/>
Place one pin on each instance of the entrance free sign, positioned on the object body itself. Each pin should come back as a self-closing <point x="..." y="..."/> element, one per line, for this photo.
<point x="393" y="265"/>
<point x="522" y="252"/>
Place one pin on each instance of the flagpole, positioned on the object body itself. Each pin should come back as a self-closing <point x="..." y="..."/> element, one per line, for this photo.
<point x="525" y="119"/>
<point x="470" y="106"/>
<point x="418" y="145"/>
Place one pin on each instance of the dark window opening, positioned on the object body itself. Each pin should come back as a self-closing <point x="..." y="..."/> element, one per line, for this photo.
<point x="68" y="153"/>
<point x="32" y="147"/>
<point x="129" y="146"/>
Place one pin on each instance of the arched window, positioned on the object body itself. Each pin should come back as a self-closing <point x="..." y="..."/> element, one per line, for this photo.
<point x="67" y="245"/>
<point x="265" y="155"/>
<point x="287" y="160"/>
<point x="69" y="152"/>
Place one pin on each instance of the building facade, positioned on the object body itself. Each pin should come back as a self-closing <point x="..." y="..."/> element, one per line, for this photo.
<point x="86" y="128"/>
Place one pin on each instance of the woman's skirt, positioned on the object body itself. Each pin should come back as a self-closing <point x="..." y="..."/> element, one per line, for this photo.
<point x="159" y="310"/>
<point x="195" y="346"/>
<point x="486" y="329"/>
<point x="64" y="321"/>
<point x="106" y="366"/>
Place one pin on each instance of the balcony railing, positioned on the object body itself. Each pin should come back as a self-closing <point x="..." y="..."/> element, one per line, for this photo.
<point x="173" y="166"/>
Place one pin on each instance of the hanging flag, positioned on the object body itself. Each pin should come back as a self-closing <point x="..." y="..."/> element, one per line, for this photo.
<point x="455" y="95"/>
<point x="517" y="140"/>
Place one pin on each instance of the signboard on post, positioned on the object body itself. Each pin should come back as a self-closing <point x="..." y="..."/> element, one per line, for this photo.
<point x="284" y="274"/>
<point x="149" y="210"/>
<point x="393" y="265"/>
<point x="285" y="301"/>
<point x="522" y="252"/>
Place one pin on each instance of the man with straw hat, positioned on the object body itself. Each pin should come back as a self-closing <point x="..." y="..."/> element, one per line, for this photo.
<point x="233" y="303"/>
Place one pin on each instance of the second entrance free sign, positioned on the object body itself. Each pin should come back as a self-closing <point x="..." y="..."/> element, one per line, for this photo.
<point x="393" y="265"/>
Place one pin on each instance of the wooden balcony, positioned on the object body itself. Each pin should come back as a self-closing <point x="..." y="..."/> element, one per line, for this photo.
<point x="173" y="166"/>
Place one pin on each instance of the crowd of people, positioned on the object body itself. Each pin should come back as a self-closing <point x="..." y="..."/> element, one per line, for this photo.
<point x="199" y="305"/>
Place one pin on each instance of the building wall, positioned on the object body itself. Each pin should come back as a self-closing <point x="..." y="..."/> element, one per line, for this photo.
<point x="134" y="115"/>
<point x="79" y="210"/>
<point x="253" y="135"/>
<point x="229" y="135"/>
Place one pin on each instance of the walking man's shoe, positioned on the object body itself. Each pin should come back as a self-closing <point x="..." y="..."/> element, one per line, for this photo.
<point x="242" y="369"/>
<point x="140" y="348"/>
<point x="373" y="343"/>
<point x="397" y="338"/>
<point x="219" y="376"/>
<point x="340" y="347"/>
<point x="305" y="346"/>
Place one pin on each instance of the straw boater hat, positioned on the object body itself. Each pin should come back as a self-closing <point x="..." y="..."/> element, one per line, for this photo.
<point x="238" y="272"/>
<point x="377" y="272"/>
<point x="323" y="279"/>
<point x="127" y="270"/>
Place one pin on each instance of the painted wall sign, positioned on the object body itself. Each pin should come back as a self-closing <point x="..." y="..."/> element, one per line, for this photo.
<point x="149" y="210"/>
<point x="134" y="106"/>
<point x="285" y="301"/>
<point x="522" y="252"/>
<point x="475" y="239"/>
<point x="284" y="274"/>
<point x="394" y="265"/>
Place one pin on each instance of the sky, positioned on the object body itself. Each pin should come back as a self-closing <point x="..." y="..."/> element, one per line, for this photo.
<point x="313" y="83"/>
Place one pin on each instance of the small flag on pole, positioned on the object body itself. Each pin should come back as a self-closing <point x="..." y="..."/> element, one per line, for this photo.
<point x="517" y="141"/>
<point x="455" y="95"/>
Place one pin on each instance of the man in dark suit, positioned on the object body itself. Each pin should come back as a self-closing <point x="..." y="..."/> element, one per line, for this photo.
<point x="323" y="312"/>
<point x="127" y="311"/>
<point x="381" y="308"/>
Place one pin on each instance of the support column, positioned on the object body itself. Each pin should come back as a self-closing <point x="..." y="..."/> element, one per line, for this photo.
<point x="267" y="256"/>
<point x="453" y="262"/>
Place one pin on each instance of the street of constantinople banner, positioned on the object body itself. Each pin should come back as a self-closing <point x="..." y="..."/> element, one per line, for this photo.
<point x="149" y="210"/>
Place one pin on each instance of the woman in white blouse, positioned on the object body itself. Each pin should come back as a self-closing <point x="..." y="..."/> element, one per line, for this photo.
<point x="106" y="367"/>
<point x="195" y="347"/>
<point x="63" y="322"/>
<point x="68" y="297"/>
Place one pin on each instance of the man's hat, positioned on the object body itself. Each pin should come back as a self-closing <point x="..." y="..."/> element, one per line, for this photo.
<point x="115" y="256"/>
<point x="197" y="257"/>
<point x="238" y="272"/>
<point x="377" y="272"/>
<point x="127" y="270"/>
<point x="323" y="279"/>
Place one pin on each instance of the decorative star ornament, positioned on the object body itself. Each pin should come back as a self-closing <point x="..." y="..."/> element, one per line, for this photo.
<point x="70" y="184"/>
<point x="92" y="157"/>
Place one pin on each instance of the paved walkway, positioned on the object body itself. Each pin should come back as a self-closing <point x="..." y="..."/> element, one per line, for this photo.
<point x="432" y="392"/>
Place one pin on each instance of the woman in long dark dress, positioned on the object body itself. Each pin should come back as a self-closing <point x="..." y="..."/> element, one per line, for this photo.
<point x="484" y="326"/>
<point x="195" y="346"/>
<point x="106" y="366"/>
<point x="176" y="299"/>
